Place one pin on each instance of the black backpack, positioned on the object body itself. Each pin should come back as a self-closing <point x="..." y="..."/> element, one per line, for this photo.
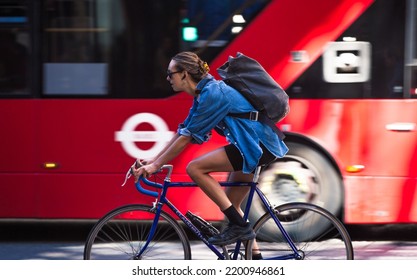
<point x="249" y="78"/>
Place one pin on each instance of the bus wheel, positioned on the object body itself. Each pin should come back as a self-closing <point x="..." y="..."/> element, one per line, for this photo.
<point x="303" y="175"/>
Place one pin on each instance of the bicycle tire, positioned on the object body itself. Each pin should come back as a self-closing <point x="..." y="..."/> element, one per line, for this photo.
<point x="334" y="243"/>
<point x="121" y="234"/>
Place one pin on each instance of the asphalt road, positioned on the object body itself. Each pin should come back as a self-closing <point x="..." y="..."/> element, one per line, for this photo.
<point x="64" y="240"/>
<point x="75" y="231"/>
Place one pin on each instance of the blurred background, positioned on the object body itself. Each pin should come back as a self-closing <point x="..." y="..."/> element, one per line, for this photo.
<point x="83" y="93"/>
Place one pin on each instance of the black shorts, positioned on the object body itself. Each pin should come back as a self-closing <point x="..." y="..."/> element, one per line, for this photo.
<point x="236" y="159"/>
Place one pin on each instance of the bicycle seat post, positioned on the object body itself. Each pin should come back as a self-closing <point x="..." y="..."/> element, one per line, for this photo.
<point x="256" y="174"/>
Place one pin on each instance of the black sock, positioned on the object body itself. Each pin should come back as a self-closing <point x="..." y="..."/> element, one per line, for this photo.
<point x="234" y="216"/>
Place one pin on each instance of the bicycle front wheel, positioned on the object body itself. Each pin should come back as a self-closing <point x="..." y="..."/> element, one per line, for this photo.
<point x="123" y="232"/>
<point x="298" y="220"/>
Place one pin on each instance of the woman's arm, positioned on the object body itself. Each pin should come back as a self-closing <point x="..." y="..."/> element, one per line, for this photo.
<point x="173" y="139"/>
<point x="171" y="151"/>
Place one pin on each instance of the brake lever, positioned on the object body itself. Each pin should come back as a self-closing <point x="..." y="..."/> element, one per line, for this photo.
<point x="129" y="173"/>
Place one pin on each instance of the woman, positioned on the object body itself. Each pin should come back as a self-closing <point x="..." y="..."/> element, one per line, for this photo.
<point x="251" y="142"/>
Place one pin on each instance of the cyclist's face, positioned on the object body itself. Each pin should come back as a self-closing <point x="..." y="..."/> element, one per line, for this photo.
<point x="175" y="77"/>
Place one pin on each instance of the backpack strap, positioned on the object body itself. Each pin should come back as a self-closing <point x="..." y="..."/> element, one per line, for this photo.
<point x="253" y="115"/>
<point x="261" y="117"/>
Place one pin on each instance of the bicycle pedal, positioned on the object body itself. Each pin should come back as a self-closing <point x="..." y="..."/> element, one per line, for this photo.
<point x="205" y="227"/>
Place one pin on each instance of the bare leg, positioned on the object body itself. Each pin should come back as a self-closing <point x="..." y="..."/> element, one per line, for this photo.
<point x="199" y="170"/>
<point x="217" y="161"/>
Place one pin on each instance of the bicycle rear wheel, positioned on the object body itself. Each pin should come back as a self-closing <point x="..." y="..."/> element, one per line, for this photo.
<point x="297" y="219"/>
<point x="122" y="233"/>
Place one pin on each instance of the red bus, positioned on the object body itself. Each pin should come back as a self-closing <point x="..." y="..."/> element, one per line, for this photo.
<point x="83" y="93"/>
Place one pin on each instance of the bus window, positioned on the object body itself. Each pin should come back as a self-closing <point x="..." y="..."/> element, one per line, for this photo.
<point x="14" y="49"/>
<point x="120" y="49"/>
<point x="213" y="24"/>
<point x="116" y="49"/>
<point x="366" y="61"/>
<point x="410" y="79"/>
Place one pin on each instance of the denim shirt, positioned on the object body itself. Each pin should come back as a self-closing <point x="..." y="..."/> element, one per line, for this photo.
<point x="210" y="110"/>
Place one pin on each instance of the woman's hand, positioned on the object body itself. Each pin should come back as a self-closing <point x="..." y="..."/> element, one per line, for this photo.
<point x="145" y="170"/>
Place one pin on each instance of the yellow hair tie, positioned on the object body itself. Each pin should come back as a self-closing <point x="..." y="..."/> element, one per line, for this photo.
<point x="206" y="67"/>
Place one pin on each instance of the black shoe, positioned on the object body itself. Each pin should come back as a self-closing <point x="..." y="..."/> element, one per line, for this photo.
<point x="233" y="233"/>
<point x="257" y="256"/>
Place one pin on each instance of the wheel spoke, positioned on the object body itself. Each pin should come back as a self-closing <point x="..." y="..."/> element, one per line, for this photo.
<point x="122" y="233"/>
<point x="299" y="220"/>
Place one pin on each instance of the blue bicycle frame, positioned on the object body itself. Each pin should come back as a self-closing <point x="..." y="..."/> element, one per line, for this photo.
<point x="161" y="200"/>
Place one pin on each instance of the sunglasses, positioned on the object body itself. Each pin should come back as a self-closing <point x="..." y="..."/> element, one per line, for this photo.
<point x="169" y="74"/>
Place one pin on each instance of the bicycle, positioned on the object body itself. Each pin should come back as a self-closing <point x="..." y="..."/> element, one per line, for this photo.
<point x="126" y="233"/>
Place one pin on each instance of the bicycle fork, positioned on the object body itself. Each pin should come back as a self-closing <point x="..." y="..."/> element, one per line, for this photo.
<point x="157" y="207"/>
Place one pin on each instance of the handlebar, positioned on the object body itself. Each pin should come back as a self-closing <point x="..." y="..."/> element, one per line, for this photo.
<point x="147" y="192"/>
